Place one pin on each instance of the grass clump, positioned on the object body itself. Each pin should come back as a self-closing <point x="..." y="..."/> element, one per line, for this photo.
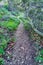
<point x="11" y="24"/>
<point x="1" y="61"/>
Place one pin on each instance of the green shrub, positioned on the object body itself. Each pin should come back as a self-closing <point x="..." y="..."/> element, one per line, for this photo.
<point x="15" y="13"/>
<point x="27" y="26"/>
<point x="26" y="23"/>
<point x="11" y="24"/>
<point x="1" y="31"/>
<point x="3" y="43"/>
<point x="1" y="61"/>
<point x="8" y="24"/>
<point x="1" y="51"/>
<point x="39" y="59"/>
<point x="4" y="11"/>
<point x="0" y="16"/>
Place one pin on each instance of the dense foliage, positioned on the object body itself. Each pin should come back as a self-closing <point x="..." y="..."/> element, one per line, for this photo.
<point x="8" y="25"/>
<point x="30" y="12"/>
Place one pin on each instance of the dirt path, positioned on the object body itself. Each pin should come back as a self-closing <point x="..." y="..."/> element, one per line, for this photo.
<point x="23" y="51"/>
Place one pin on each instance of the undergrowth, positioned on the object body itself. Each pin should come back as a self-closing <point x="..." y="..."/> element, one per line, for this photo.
<point x="7" y="29"/>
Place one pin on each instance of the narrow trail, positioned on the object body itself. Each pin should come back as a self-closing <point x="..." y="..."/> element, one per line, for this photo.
<point x="23" y="52"/>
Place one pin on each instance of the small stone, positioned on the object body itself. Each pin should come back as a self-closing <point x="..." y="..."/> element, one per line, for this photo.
<point x="39" y="61"/>
<point x="11" y="63"/>
<point x="22" y="48"/>
<point x="22" y="62"/>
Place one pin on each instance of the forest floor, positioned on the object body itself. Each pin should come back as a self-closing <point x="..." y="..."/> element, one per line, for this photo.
<point x="23" y="52"/>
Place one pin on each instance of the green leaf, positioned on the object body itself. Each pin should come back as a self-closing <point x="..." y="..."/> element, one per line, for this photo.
<point x="1" y="61"/>
<point x="4" y="43"/>
<point x="39" y="59"/>
<point x="1" y="51"/>
<point x="41" y="51"/>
